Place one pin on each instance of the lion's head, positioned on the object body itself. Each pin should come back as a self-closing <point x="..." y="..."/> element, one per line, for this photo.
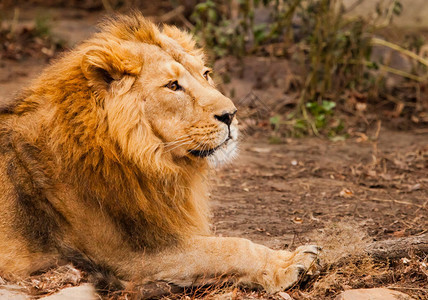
<point x="159" y="98"/>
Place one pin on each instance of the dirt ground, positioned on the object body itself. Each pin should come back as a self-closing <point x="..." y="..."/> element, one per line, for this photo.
<point x="286" y="195"/>
<point x="341" y="195"/>
<point x="278" y="194"/>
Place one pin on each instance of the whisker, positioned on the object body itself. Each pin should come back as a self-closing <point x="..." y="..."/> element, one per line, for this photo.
<point x="203" y="144"/>
<point x="179" y="145"/>
<point x="184" y="135"/>
<point x="179" y="139"/>
<point x="184" y="139"/>
<point x="177" y="142"/>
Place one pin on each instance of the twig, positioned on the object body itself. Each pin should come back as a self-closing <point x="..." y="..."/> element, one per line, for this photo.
<point x="421" y="130"/>
<point x="301" y="105"/>
<point x="353" y="6"/>
<point x="186" y="22"/>
<point x="14" y="21"/>
<point x="406" y="288"/>
<point x="172" y="14"/>
<point x="380" y="42"/>
<point x="396" y="201"/>
<point x="401" y="73"/>
<point x="107" y="5"/>
<point x="392" y="70"/>
<point x="378" y="128"/>
<point x="398" y="247"/>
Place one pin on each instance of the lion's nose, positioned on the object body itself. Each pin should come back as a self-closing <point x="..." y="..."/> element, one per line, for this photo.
<point x="226" y="117"/>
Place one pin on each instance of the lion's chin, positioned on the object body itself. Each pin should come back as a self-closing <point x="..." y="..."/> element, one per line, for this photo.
<point x="223" y="154"/>
<point x="227" y="151"/>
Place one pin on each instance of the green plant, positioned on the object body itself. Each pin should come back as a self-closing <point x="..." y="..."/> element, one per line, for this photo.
<point x="324" y="120"/>
<point x="321" y="112"/>
<point x="216" y="31"/>
<point x="42" y="25"/>
<point x="230" y="31"/>
<point x="334" y="50"/>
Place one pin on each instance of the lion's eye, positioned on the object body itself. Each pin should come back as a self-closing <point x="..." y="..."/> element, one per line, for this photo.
<point x="173" y="85"/>
<point x="206" y="74"/>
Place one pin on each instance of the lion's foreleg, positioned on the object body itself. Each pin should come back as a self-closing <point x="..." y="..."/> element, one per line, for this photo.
<point x="207" y="259"/>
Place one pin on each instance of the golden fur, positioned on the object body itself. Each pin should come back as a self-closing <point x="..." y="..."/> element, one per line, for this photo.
<point x="103" y="162"/>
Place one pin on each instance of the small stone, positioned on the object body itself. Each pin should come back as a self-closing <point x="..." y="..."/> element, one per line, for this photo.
<point x="260" y="150"/>
<point x="405" y="260"/>
<point x="5" y="293"/>
<point x="285" y="296"/>
<point x="82" y="292"/>
<point x="372" y="294"/>
<point x="297" y="220"/>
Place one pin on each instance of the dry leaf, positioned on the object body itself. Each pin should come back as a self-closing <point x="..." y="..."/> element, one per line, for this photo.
<point x="399" y="233"/>
<point x="361" y="137"/>
<point x="372" y="173"/>
<point x="415" y="187"/>
<point x="346" y="193"/>
<point x="297" y="220"/>
<point x="361" y="106"/>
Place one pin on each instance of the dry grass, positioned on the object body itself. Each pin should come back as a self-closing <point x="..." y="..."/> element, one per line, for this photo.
<point x="346" y="266"/>
<point x="47" y="283"/>
<point x="340" y="240"/>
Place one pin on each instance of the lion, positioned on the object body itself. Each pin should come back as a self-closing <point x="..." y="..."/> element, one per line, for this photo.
<point x="103" y="164"/>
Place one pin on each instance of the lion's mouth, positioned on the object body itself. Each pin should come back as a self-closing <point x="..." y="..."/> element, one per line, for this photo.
<point x="203" y="153"/>
<point x="207" y="152"/>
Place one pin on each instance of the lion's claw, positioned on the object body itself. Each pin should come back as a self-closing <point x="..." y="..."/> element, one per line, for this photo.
<point x="301" y="269"/>
<point x="289" y="267"/>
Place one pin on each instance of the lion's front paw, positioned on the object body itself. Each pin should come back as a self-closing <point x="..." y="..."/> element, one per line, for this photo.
<point x="286" y="268"/>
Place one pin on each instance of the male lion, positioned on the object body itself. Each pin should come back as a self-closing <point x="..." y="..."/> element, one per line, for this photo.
<point x="103" y="162"/>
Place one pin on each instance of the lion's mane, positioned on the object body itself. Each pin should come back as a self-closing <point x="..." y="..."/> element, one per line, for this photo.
<point x="153" y="198"/>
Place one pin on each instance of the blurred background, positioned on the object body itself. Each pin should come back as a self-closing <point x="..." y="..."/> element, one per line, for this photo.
<point x="318" y="66"/>
<point x="333" y="108"/>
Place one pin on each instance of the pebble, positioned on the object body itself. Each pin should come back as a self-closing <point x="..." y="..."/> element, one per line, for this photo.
<point x="12" y="295"/>
<point x="285" y="296"/>
<point x="82" y="292"/>
<point x="372" y="294"/>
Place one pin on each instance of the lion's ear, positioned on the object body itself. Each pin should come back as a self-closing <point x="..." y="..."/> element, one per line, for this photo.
<point x="101" y="66"/>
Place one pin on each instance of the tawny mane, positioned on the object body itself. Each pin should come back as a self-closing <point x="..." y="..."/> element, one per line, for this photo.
<point x="156" y="200"/>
